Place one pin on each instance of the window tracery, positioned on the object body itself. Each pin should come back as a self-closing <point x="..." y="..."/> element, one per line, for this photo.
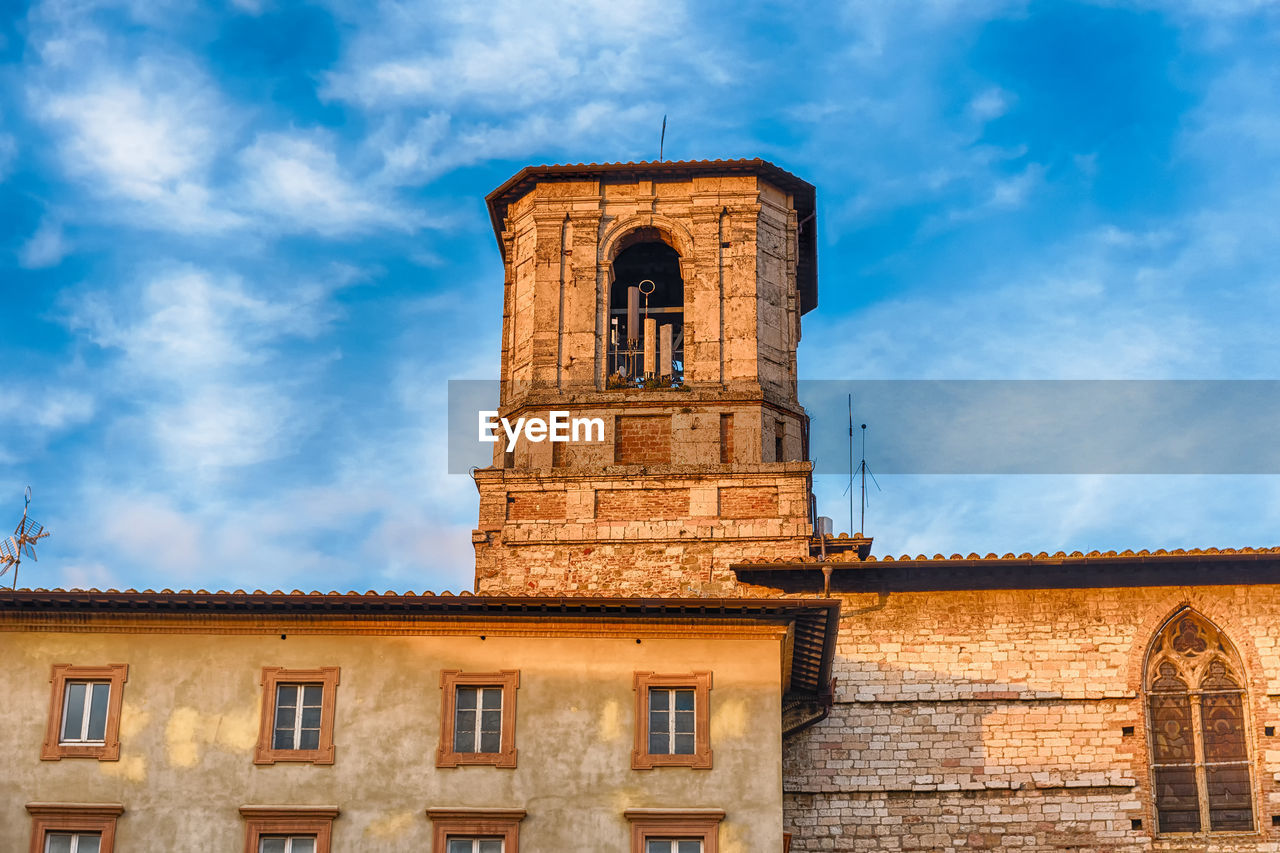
<point x="1198" y="735"/>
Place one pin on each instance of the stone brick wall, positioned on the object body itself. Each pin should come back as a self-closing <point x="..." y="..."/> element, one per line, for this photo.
<point x="998" y="719"/>
<point x="749" y="502"/>
<point x="642" y="440"/>
<point x="631" y="531"/>
<point x="535" y="506"/>
<point x="635" y="504"/>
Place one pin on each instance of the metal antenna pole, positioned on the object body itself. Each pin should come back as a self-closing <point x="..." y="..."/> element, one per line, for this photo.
<point x="662" y="142"/>
<point x="851" y="530"/>
<point x="863" y="525"/>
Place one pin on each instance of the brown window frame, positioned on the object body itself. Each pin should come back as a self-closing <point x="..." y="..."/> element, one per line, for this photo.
<point x="116" y="674"/>
<point x="288" y="820"/>
<point x="272" y="676"/>
<point x="685" y="824"/>
<point x="493" y="823"/>
<point x="700" y="683"/>
<point x="74" y="817"/>
<point x="508" y="680"/>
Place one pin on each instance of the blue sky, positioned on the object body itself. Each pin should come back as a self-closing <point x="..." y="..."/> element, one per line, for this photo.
<point x="244" y="248"/>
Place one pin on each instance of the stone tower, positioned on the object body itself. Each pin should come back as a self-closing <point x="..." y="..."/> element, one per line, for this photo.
<point x="665" y="300"/>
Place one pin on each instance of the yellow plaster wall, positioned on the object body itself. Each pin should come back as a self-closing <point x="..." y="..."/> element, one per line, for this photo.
<point x="191" y="714"/>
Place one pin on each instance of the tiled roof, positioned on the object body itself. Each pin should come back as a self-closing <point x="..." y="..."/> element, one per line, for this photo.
<point x="1043" y="556"/>
<point x="815" y="620"/>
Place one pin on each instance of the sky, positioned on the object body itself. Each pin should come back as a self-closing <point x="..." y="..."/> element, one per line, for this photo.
<point x="244" y="247"/>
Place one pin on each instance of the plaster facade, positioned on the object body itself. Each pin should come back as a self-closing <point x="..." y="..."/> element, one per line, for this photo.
<point x="192" y="704"/>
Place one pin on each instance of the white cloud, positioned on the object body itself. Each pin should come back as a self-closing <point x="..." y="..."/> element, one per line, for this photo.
<point x="45" y="248"/>
<point x="201" y="350"/>
<point x="296" y="181"/>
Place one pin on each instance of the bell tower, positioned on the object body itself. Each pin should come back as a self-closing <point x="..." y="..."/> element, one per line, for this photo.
<point x="661" y="303"/>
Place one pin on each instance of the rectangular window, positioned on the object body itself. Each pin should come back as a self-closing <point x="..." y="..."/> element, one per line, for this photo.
<point x="673" y="721"/>
<point x="298" y="712"/>
<point x="287" y="844"/>
<point x="475" y="845"/>
<point x="478" y="718"/>
<point x="288" y="829"/>
<point x="678" y="831"/>
<point x="477" y="725"/>
<point x="671" y="716"/>
<point x="467" y="830"/>
<point x="73" y="827"/>
<point x="298" y="708"/>
<point x="72" y="842"/>
<point x="673" y="845"/>
<point x="84" y="712"/>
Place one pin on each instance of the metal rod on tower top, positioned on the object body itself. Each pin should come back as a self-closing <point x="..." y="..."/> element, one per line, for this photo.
<point x="663" y="141"/>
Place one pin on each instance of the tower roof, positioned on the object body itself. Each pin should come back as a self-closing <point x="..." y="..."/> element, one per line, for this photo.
<point x="802" y="193"/>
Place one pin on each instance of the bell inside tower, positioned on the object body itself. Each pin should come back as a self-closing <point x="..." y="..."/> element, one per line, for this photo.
<point x="646" y="315"/>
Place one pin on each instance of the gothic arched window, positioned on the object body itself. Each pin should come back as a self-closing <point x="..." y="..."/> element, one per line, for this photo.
<point x="1196" y="719"/>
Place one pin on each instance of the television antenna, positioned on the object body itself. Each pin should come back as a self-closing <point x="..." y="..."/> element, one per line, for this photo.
<point x="863" y="470"/>
<point x="22" y="542"/>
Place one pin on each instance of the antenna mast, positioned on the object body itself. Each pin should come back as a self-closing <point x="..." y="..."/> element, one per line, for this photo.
<point x="850" y="489"/>
<point x="662" y="141"/>
<point x="22" y="542"/>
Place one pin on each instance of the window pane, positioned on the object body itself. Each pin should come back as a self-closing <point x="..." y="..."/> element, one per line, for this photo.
<point x="467" y="698"/>
<point x="1222" y="716"/>
<point x="272" y="845"/>
<point x="459" y="845"/>
<point x="659" y="721"/>
<point x="1177" y="801"/>
<point x="1171" y="728"/>
<point x="464" y="731"/>
<point x="88" y="844"/>
<point x="490" y="731"/>
<point x="286" y="715"/>
<point x="491" y="846"/>
<point x="309" y="739"/>
<point x="73" y="716"/>
<point x="684" y="722"/>
<point x="659" y="700"/>
<point x="492" y="698"/>
<point x="57" y="843"/>
<point x="303" y="845"/>
<point x="286" y="694"/>
<point x="313" y="694"/>
<point x="311" y="718"/>
<point x="490" y="742"/>
<point x="654" y="846"/>
<point x="98" y="711"/>
<point x="683" y="745"/>
<point x="689" y="847"/>
<point x="684" y="702"/>
<point x="1230" y="798"/>
<point x="659" y="743"/>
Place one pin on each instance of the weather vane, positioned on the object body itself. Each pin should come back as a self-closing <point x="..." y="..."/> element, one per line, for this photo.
<point x="21" y="543"/>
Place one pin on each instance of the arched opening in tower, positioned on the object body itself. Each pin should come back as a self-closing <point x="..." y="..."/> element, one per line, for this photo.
<point x="646" y="314"/>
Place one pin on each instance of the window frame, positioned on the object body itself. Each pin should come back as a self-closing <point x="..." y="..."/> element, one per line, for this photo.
<point x="508" y="681"/>
<point x="1162" y="651"/>
<point x="272" y="677"/>
<point x="288" y="820"/>
<point x="681" y="824"/>
<point x="698" y="681"/>
<point x="74" y="817"/>
<point x="115" y="674"/>
<point x="469" y="823"/>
